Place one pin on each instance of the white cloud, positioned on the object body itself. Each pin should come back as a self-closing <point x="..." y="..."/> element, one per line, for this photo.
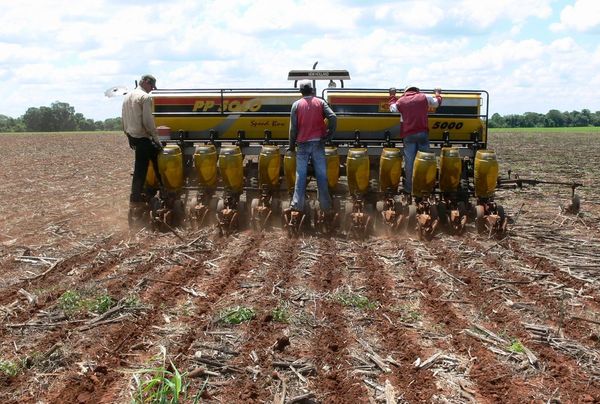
<point x="11" y="53"/>
<point x="583" y="16"/>
<point x="483" y="14"/>
<point x="410" y="15"/>
<point x="73" y="51"/>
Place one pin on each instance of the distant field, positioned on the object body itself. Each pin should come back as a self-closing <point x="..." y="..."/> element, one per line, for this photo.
<point x="585" y="129"/>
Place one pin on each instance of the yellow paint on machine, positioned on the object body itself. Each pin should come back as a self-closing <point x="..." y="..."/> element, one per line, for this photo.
<point x="205" y="161"/>
<point x="269" y="165"/>
<point x="486" y="173"/>
<point x="333" y="166"/>
<point x="450" y="169"/>
<point x="357" y="170"/>
<point x="390" y="169"/>
<point x="228" y="125"/>
<point x="231" y="168"/>
<point x="253" y="127"/>
<point x="170" y="166"/>
<point x="253" y="113"/>
<point x="289" y="170"/>
<point x="424" y="173"/>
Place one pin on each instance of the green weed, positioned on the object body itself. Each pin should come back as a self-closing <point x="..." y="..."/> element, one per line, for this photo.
<point x="237" y="315"/>
<point x="163" y="386"/>
<point x="280" y="314"/>
<point x="516" y="346"/>
<point x="356" y="301"/>
<point x="132" y="301"/>
<point x="9" y="368"/>
<point x="101" y="304"/>
<point x="70" y="301"/>
<point x="158" y="385"/>
<point x="410" y="316"/>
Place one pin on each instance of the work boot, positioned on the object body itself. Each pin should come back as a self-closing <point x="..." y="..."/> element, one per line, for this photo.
<point x="138" y="215"/>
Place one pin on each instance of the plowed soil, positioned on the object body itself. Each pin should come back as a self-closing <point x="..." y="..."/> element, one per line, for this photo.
<point x="87" y="306"/>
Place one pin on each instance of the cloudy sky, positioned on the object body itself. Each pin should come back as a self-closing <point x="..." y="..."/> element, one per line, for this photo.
<point x="531" y="55"/>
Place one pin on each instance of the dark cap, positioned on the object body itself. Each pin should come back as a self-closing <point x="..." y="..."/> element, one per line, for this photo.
<point x="150" y="79"/>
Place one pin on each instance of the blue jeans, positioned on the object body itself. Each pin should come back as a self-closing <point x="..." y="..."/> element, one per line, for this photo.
<point x="412" y="144"/>
<point x="316" y="151"/>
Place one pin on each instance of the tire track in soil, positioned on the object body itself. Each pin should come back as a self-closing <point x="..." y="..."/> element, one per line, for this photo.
<point x="403" y="344"/>
<point x="123" y="337"/>
<point x="566" y="374"/>
<point x="493" y="379"/>
<point x="261" y="334"/>
<point x="334" y="382"/>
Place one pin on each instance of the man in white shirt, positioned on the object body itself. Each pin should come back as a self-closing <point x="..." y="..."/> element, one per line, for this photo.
<point x="138" y="125"/>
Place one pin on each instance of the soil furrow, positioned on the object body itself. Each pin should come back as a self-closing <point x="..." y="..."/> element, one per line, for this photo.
<point x="494" y="380"/>
<point x="165" y="288"/>
<point x="405" y="344"/>
<point x="237" y="260"/>
<point x="334" y="382"/>
<point x="262" y="334"/>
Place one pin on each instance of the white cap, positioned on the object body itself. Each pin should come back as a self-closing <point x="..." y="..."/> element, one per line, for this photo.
<point x="305" y="84"/>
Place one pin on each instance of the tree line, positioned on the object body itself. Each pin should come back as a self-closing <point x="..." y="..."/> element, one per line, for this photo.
<point x="552" y="119"/>
<point x="58" y="117"/>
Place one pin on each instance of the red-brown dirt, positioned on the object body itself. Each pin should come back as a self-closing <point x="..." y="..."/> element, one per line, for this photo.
<point x="390" y="319"/>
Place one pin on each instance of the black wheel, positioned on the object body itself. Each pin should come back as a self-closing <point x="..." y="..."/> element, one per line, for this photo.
<point x="234" y="223"/>
<point x="411" y="223"/>
<point x="500" y="212"/>
<point x="178" y="213"/>
<point x="480" y="219"/>
<point x="575" y="206"/>
<point x="433" y="212"/>
<point x="462" y="209"/>
<point x="137" y="219"/>
<point x="503" y="219"/>
<point x="242" y="217"/>
<point x="442" y="213"/>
